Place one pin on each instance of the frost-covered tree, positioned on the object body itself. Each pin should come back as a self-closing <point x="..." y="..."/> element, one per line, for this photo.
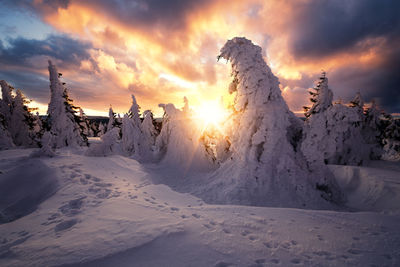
<point x="22" y="125"/>
<point x="132" y="136"/>
<point x="149" y="131"/>
<point x="333" y="133"/>
<point x="17" y="118"/>
<point x="85" y="124"/>
<point x="102" y="129"/>
<point x="391" y="138"/>
<point x="5" y="136"/>
<point x="62" y="120"/>
<point x="358" y="104"/>
<point x="112" y="120"/>
<point x="321" y="97"/>
<point x="265" y="167"/>
<point x="178" y="143"/>
<point x="110" y="144"/>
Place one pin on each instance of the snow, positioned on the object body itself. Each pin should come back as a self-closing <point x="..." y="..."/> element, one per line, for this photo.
<point x="107" y="211"/>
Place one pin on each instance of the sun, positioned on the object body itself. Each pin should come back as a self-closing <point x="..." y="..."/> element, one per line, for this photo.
<point x="211" y="113"/>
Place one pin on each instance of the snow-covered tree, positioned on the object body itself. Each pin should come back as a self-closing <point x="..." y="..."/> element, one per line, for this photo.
<point x="148" y="129"/>
<point x="333" y="133"/>
<point x="132" y="137"/>
<point x="358" y="103"/>
<point x="62" y="120"/>
<point x="85" y="124"/>
<point x="321" y="97"/>
<point x="5" y="136"/>
<point x="391" y="138"/>
<point x="102" y="129"/>
<point x="22" y="125"/>
<point x="178" y="143"/>
<point x="110" y="144"/>
<point x="17" y="118"/>
<point x="46" y="150"/>
<point x="265" y="167"/>
<point x="112" y="120"/>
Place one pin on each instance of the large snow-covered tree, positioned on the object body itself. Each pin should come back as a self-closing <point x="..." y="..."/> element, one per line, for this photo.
<point x="112" y="120"/>
<point x="333" y="132"/>
<point x="62" y="120"/>
<point x="265" y="167"/>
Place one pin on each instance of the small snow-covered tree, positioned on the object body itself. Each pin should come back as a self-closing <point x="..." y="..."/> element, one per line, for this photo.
<point x="22" y="124"/>
<point x="85" y="124"/>
<point x="321" y="97"/>
<point x="391" y="138"/>
<point x="102" y="129"/>
<point x="17" y="118"/>
<point x="148" y="129"/>
<point x="112" y="120"/>
<point x="132" y="136"/>
<point x="178" y="143"/>
<point x="62" y="120"/>
<point x="5" y="136"/>
<point x="110" y="144"/>
<point x="265" y="167"/>
<point x="358" y="103"/>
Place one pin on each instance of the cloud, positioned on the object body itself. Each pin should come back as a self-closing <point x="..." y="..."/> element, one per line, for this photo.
<point x="324" y="27"/>
<point x="67" y="50"/>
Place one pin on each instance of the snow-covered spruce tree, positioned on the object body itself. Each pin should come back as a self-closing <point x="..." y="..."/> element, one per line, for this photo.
<point x="132" y="136"/>
<point x="391" y="138"/>
<point x="5" y="136"/>
<point x="265" y="168"/>
<point x="178" y="143"/>
<point x="321" y="97"/>
<point x="22" y="126"/>
<point x="18" y="119"/>
<point x="62" y="120"/>
<point x="85" y="124"/>
<point x="112" y="120"/>
<point x="370" y="126"/>
<point x="102" y="129"/>
<point x="149" y="131"/>
<point x="333" y="133"/>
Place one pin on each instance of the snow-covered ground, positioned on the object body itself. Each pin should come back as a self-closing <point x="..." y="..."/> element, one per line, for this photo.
<point x="112" y="211"/>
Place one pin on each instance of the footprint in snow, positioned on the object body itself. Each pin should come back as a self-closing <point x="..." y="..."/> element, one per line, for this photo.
<point x="226" y="231"/>
<point x="196" y="215"/>
<point x="65" y="225"/>
<point x="295" y="261"/>
<point x="245" y="232"/>
<point x="274" y="261"/>
<point x="72" y="207"/>
<point x="253" y="238"/>
<point x="174" y="209"/>
<point x="354" y="251"/>
<point x="223" y="264"/>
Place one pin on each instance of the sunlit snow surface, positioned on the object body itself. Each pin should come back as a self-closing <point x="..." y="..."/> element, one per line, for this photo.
<point x="107" y="211"/>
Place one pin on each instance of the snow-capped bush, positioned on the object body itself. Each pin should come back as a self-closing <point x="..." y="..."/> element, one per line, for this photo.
<point x="62" y="120"/>
<point x="110" y="145"/>
<point x="265" y="167"/>
<point x="46" y="150"/>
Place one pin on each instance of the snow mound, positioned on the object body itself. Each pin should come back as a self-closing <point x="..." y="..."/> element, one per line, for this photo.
<point x="23" y="188"/>
<point x="369" y="189"/>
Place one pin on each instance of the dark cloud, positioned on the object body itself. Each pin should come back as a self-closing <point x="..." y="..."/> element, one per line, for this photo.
<point x="63" y="48"/>
<point x="324" y="27"/>
<point x="380" y="82"/>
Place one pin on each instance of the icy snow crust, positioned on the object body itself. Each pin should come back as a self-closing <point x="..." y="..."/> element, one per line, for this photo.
<point x="108" y="212"/>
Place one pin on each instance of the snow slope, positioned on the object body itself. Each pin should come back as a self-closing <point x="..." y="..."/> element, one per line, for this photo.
<point x="108" y="212"/>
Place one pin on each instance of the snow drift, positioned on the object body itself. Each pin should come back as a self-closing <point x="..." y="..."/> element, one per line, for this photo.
<point x="23" y="188"/>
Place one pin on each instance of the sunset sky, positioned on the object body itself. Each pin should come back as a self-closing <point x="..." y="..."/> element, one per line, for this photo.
<point x="163" y="50"/>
